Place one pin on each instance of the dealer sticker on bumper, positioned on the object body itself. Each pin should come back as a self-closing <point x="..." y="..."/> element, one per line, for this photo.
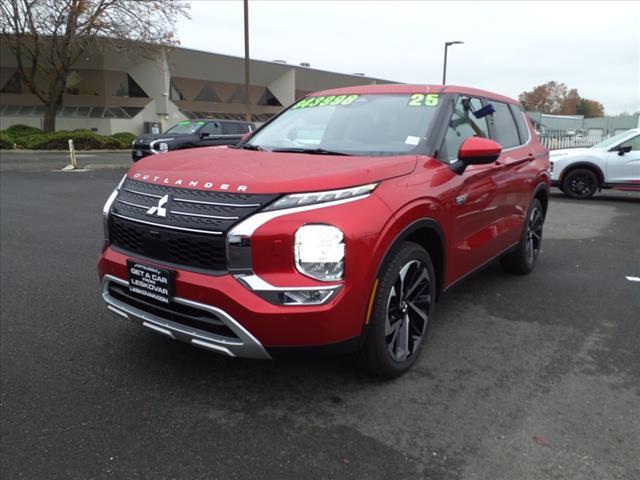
<point x="151" y="282"/>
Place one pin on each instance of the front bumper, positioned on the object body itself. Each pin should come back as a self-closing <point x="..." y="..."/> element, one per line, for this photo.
<point x="256" y="322"/>
<point x="248" y="299"/>
<point x="137" y="154"/>
<point x="241" y="344"/>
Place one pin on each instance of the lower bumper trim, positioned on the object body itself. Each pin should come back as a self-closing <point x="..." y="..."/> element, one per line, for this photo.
<point x="243" y="345"/>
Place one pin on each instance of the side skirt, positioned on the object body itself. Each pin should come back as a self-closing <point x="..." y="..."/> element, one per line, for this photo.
<point x="480" y="267"/>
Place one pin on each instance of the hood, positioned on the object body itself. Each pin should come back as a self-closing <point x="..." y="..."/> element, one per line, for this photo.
<point x="149" y="137"/>
<point x="237" y="170"/>
<point x="570" y="151"/>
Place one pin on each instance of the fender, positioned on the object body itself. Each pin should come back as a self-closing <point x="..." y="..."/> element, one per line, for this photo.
<point x="542" y="185"/>
<point x="590" y="165"/>
<point x="425" y="222"/>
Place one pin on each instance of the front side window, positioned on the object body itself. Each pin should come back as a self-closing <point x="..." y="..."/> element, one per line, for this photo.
<point x="634" y="143"/>
<point x="506" y="132"/>
<point x="369" y="124"/>
<point x="212" y="128"/>
<point x="463" y="124"/>
<point x="186" y="127"/>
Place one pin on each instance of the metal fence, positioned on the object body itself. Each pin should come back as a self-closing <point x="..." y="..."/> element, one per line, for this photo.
<point x="574" y="141"/>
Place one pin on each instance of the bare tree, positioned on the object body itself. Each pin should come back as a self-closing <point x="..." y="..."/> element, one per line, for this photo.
<point x="48" y="37"/>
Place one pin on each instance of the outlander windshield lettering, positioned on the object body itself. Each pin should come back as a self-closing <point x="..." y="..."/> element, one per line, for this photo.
<point x="332" y="225"/>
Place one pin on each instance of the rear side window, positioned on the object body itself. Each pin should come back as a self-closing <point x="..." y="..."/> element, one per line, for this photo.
<point x="463" y="125"/>
<point x="229" y="128"/>
<point x="504" y="126"/>
<point x="521" y="123"/>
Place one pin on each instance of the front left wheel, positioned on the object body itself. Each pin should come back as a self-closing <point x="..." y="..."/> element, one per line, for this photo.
<point x="403" y="305"/>
<point x="580" y="183"/>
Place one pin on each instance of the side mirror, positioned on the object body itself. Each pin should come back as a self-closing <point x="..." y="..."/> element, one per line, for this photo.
<point x="623" y="150"/>
<point x="245" y="136"/>
<point x="476" y="151"/>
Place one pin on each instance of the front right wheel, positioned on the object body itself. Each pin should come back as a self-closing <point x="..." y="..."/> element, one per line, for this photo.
<point x="402" y="307"/>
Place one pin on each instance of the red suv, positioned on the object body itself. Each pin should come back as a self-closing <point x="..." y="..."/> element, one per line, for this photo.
<point x="338" y="224"/>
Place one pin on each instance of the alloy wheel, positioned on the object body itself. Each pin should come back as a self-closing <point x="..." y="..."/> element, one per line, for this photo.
<point x="582" y="184"/>
<point x="407" y="310"/>
<point x="534" y="234"/>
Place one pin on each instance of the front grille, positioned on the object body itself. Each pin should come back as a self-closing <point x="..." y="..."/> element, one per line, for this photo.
<point x="191" y="228"/>
<point x="198" y="251"/>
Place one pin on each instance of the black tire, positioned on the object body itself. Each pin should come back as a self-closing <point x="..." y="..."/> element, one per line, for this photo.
<point x="404" y="303"/>
<point x="524" y="258"/>
<point x="580" y="183"/>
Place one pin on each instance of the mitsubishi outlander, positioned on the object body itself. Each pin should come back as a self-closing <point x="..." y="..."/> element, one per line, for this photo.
<point x="338" y="224"/>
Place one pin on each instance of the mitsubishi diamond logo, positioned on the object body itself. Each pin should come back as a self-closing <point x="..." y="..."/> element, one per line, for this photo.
<point x="159" y="210"/>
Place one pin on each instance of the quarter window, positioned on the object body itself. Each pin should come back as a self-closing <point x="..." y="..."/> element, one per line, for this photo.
<point x="463" y="125"/>
<point x="504" y="127"/>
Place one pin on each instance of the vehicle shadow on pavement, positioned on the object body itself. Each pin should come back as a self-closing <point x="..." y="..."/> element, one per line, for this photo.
<point x="604" y="196"/>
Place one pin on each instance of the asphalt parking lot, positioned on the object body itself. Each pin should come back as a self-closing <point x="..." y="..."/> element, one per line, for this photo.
<point x="25" y="161"/>
<point x="533" y="377"/>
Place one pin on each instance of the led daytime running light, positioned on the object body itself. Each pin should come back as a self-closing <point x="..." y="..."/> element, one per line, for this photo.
<point x="302" y="199"/>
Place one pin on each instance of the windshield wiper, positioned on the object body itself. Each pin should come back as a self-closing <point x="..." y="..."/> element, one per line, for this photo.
<point x="312" y="151"/>
<point x="246" y="146"/>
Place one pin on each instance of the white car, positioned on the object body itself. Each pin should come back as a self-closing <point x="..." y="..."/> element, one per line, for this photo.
<point x="614" y="163"/>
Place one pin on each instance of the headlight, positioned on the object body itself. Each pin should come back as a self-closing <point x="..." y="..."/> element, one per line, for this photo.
<point x="319" y="252"/>
<point x="163" y="147"/>
<point x="107" y="208"/>
<point x="302" y="199"/>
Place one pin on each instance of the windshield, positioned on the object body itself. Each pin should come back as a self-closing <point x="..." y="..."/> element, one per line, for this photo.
<point x="376" y="124"/>
<point x="186" y="127"/>
<point x="611" y="141"/>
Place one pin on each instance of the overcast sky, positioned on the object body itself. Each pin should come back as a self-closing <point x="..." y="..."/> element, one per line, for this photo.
<point x="509" y="47"/>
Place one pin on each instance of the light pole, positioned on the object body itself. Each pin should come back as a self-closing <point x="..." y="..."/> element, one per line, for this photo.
<point x="444" y="70"/>
<point x="247" y="105"/>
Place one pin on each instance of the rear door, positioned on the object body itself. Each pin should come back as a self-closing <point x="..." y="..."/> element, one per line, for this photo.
<point x="513" y="173"/>
<point x="624" y="170"/>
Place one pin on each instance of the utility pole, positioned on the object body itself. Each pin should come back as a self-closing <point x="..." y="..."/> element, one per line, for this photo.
<point x="444" y="70"/>
<point x="247" y="105"/>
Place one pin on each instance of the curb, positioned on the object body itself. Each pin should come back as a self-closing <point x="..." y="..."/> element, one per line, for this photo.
<point x="91" y="168"/>
<point x="78" y="152"/>
<point x="105" y="166"/>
